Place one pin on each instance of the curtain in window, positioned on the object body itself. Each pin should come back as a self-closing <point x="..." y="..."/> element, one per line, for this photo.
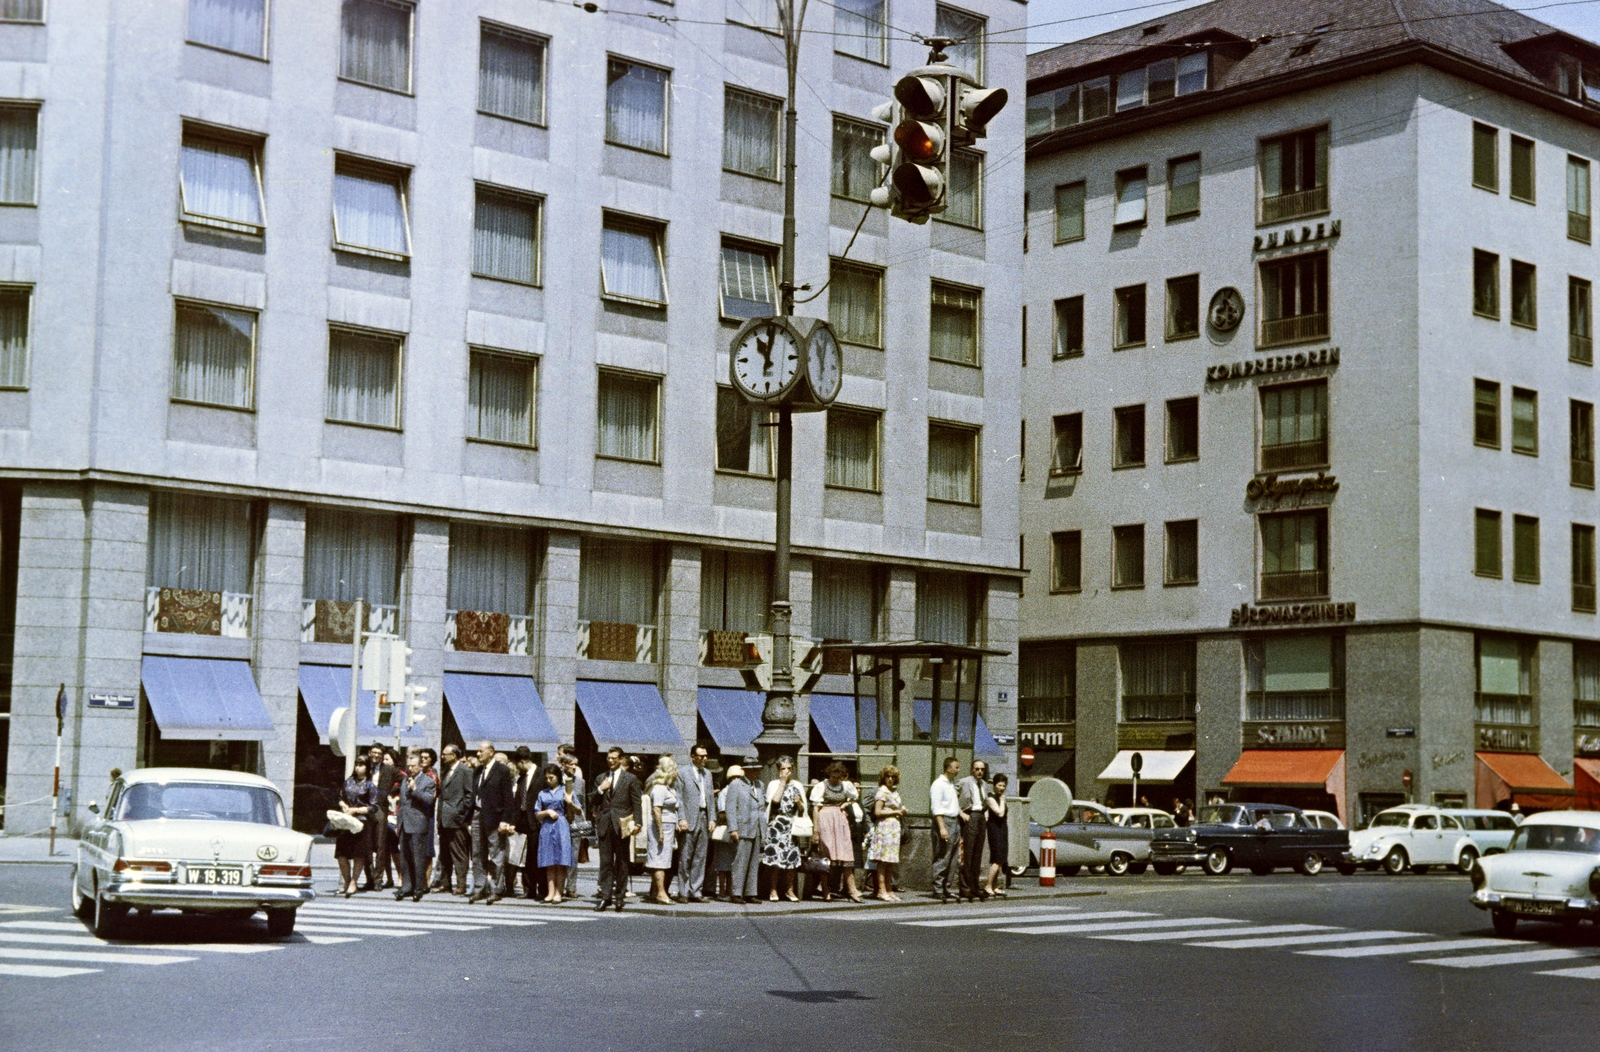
<point x="617" y="581"/>
<point x="14" y="339"/>
<point x="201" y="543"/>
<point x="1291" y="415"/>
<point x="501" y="399"/>
<point x="1157" y="668"/>
<point x="858" y="28"/>
<point x="854" y="304"/>
<point x="842" y="604"/>
<point x="1130" y="199"/>
<point x="953" y="329"/>
<point x="735" y="591"/>
<point x="748" y="290"/>
<point x="505" y="233"/>
<point x="21" y="10"/>
<point x="376" y="43"/>
<point x="363" y="379"/>
<point x="511" y="76"/>
<point x="351" y="555"/>
<point x="763" y="14"/>
<point x="219" y="182"/>
<point x="630" y="265"/>
<point x="855" y="173"/>
<point x="212" y="355"/>
<point x="1585" y="673"/>
<point x="19" y="129"/>
<point x="636" y="106"/>
<point x="966" y="189"/>
<point x="967" y="31"/>
<point x="750" y="134"/>
<point x="232" y="25"/>
<point x="369" y="212"/>
<point x="950" y="466"/>
<point x="944" y="608"/>
<point x="852" y="449"/>
<point x="1289" y="543"/>
<point x="743" y="434"/>
<point x="490" y="569"/>
<point x="627" y="418"/>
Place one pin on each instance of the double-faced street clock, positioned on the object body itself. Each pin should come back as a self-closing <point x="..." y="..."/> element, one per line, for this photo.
<point x="792" y="362"/>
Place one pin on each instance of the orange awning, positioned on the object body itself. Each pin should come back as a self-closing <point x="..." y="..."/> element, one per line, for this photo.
<point x="1286" y="768"/>
<point x="1586" y="784"/>
<point x="1523" y="778"/>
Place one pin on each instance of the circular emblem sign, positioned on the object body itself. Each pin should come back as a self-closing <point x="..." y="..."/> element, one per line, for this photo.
<point x="266" y="852"/>
<point x="1226" y="310"/>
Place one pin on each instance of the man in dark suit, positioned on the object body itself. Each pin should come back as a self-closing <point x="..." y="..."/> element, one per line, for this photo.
<point x="618" y="797"/>
<point x="492" y="805"/>
<point x="456" y="786"/>
<point x="522" y="821"/>
<point x="385" y="776"/>
<point x="417" y="794"/>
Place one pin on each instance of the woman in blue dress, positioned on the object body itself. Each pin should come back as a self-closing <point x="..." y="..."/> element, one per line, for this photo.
<point x="555" y="835"/>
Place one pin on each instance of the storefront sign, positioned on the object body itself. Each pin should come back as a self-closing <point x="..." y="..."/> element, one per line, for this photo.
<point x="1174" y="735"/>
<point x="1279" y="735"/>
<point x="1273" y="488"/>
<point x="1306" y="234"/>
<point x="1585" y="744"/>
<point x="1507" y="739"/>
<point x="1003" y="739"/>
<point x="1380" y="758"/>
<point x="1292" y="613"/>
<point x="1446" y="759"/>
<point x="1049" y="735"/>
<point x="102" y="700"/>
<point x="1278" y="363"/>
<point x="1401" y="732"/>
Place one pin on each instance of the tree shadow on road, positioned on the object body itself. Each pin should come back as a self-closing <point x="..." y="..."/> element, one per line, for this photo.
<point x="819" y="997"/>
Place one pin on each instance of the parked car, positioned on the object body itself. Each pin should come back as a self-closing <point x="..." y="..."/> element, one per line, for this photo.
<point x="197" y="840"/>
<point x="1414" y="836"/>
<point x="1551" y="871"/>
<point x="1142" y="818"/>
<point x="1490" y="830"/>
<point x="1322" y="820"/>
<point x="1261" y="837"/>
<point x="1090" y="837"/>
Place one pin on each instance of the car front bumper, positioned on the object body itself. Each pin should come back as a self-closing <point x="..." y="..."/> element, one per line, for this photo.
<point x="142" y="895"/>
<point x="1533" y="907"/>
<point x="1188" y="854"/>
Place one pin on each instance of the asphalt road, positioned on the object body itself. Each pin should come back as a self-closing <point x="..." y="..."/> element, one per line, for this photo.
<point x="1396" y="964"/>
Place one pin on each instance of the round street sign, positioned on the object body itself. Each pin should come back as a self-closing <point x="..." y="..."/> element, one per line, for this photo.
<point x="1136" y="762"/>
<point x="1049" y="801"/>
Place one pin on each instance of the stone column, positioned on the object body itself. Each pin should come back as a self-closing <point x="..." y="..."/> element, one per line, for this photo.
<point x="275" y="637"/>
<point x="1097" y="717"/>
<point x="679" y="640"/>
<point x="428" y="583"/>
<point x="1553" y="704"/>
<point x="900" y="604"/>
<point x="556" y="628"/>
<point x="1000" y="673"/>
<point x="1217" y="734"/>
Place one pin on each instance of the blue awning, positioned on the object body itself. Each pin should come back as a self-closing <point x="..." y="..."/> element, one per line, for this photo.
<point x="205" y="699"/>
<point x="984" y="744"/>
<point x="327" y="687"/>
<point x="733" y="716"/>
<point x="630" y="716"/>
<point x="834" y="716"/>
<point x="505" y="710"/>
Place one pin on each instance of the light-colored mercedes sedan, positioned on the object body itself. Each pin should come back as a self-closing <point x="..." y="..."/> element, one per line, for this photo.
<point x="1550" y="872"/>
<point x="197" y="840"/>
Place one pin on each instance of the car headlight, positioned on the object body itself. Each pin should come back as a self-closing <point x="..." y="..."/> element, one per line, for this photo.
<point x="1374" y="848"/>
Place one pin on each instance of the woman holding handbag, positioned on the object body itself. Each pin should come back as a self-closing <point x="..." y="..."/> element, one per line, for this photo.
<point x="787" y="822"/>
<point x="883" y="846"/>
<point x="359" y="800"/>
<point x="833" y="826"/>
<point x="661" y="825"/>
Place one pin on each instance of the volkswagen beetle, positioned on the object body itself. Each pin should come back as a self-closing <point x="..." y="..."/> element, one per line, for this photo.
<point x="1550" y="872"/>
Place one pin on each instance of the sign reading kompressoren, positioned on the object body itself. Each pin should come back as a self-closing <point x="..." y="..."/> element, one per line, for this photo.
<point x="1292" y="613"/>
<point x="1278" y="363"/>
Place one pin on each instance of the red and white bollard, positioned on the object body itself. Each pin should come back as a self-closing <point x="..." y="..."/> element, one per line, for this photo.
<point x="1047" y="859"/>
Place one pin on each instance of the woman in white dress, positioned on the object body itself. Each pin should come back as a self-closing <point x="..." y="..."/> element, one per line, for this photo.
<point x="661" y="827"/>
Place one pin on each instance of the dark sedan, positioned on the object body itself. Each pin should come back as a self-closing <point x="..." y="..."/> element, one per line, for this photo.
<point x="1260" y="837"/>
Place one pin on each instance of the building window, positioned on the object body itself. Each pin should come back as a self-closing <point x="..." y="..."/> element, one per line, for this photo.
<point x="633" y="267"/>
<point x="219" y="182"/>
<point x="1091" y="99"/>
<point x="1294" y="175"/>
<point x="370" y="210"/>
<point x="852" y="449"/>
<point x="1129" y="303"/>
<point x="364" y="378"/>
<point x="1183" y="429"/>
<point x="213" y="355"/>
<point x="1183" y="187"/>
<point x="964" y="199"/>
<point x="1047" y="688"/>
<point x="1525" y="549"/>
<point x="952" y="463"/>
<point x="239" y="26"/>
<point x="1132" y="185"/>
<point x="14" y="311"/>
<point x="202" y="544"/>
<point x="1522" y="177"/>
<point x="1127" y="556"/>
<point x="491" y="569"/>
<point x="1183" y="552"/>
<point x="1505" y="680"/>
<point x="1066" y="561"/>
<point x="629" y="417"/>
<point x="1294" y="555"/>
<point x="505" y="236"/>
<point x="948" y="607"/>
<point x="968" y="31"/>
<point x="375" y="43"/>
<point x="735" y="591"/>
<point x="19" y="154"/>
<point x="1294" y="677"/>
<point x="23" y="11"/>
<point x="1583" y="598"/>
<point x="1586" y="684"/>
<point x="1578" y="199"/>
<point x="1129" y="420"/>
<point x="1294" y="426"/>
<point x="744" y="435"/>
<point x="511" y="74"/>
<point x="1485" y="157"/>
<point x="351" y="555"/>
<point x="1486" y="543"/>
<point x="844" y="601"/>
<point x="858" y="29"/>
<point x="750" y="133"/>
<point x="1294" y="299"/>
<point x="502" y="398"/>
<point x="1183" y="307"/>
<point x="749" y="280"/>
<point x="1580" y="321"/>
<point x="1524" y="294"/>
<point x="1581" y="424"/>
<point x="953" y="325"/>
<point x="1069" y="327"/>
<point x="855" y="173"/>
<point x="855" y="303"/>
<point x="617" y="582"/>
<point x="1158" y="680"/>
<point x="1524" y="421"/>
<point x="1485" y="284"/>
<point x="636" y="105"/>
<point x="1069" y="212"/>
<point x="757" y="14"/>
<point x="1131" y="88"/>
<point x="1066" y="455"/>
<point x="1486" y="413"/>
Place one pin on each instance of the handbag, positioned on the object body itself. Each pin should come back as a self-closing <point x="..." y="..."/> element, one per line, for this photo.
<point x="720" y="833"/>
<point x="340" y="822"/>
<point x="583" y="828"/>
<point x="517" y="849"/>
<point x="802" y="828"/>
<point x="818" y="865"/>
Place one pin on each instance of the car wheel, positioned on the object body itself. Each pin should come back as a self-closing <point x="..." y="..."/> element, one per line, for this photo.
<point x="280" y="924"/>
<point x="1395" y="862"/>
<point x="1166" y="869"/>
<point x="1311" y="865"/>
<point x="1218" y="861"/>
<point x="1505" y="924"/>
<point x="1346" y="870"/>
<point x="108" y="916"/>
<point x="1138" y="868"/>
<point x="1468" y="859"/>
<point x="1117" y="865"/>
<point x="1070" y="871"/>
<point x="82" y="905"/>
<point x="1421" y="871"/>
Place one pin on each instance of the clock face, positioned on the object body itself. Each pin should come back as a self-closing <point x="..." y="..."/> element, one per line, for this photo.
<point x="824" y="363"/>
<point x="766" y="361"/>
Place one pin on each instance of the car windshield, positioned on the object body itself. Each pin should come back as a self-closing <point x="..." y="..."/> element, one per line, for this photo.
<point x="205" y="801"/>
<point x="1389" y="818"/>
<point x="1219" y="816"/>
<point x="1579" y="839"/>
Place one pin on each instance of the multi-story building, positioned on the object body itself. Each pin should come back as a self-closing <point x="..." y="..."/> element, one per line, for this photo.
<point x="1309" y="504"/>
<point x="428" y="305"/>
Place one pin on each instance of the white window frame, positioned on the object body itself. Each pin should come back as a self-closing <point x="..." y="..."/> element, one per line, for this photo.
<point x="976" y="189"/>
<point x="266" y="32"/>
<point x="983" y="34"/>
<point x="837" y="265"/>
<point x="656" y="380"/>
<point x="1125" y="211"/>
<point x="880" y="43"/>
<point x="489" y="27"/>
<point x="526" y="200"/>
<point x="27" y="337"/>
<point x="876" y="417"/>
<point x="740" y="13"/>
<point x="533" y="362"/>
<point x="35" y="107"/>
<point x="769" y="469"/>
<point x="44" y="11"/>
<point x="411" y="48"/>
<point x="767" y="252"/>
<point x="730" y="90"/>
<point x="224" y="136"/>
<point x="657" y="231"/>
<point x="180" y="302"/>
<point x="977" y="321"/>
<point x="399" y="375"/>
<point x="973" y="434"/>
<point x="360" y="167"/>
<point x="666" y="108"/>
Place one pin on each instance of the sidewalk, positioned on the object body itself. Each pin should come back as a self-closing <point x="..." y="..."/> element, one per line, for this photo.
<point x="36" y="850"/>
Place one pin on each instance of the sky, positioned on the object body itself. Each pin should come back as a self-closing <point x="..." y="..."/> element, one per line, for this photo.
<point x="1579" y="17"/>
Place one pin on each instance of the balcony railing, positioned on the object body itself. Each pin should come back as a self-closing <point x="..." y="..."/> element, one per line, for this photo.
<point x="1290" y="206"/>
<point x="1580" y="348"/>
<point x="1583" y="598"/>
<point x="196" y="612"/>
<point x="1512" y="709"/>
<point x="1578" y="226"/>
<point x="1300" y="327"/>
<point x="1583" y="473"/>
<point x="1157" y="707"/>
<point x="1268" y="705"/>
<point x="481" y="632"/>
<point x="329" y="621"/>
<point x="1043" y="709"/>
<point x="616" y="641"/>
<point x="1288" y="455"/>
<point x="1294" y="584"/>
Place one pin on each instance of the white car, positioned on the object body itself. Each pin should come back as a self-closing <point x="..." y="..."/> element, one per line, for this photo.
<point x="1490" y="830"/>
<point x="1089" y="836"/>
<point x="1551" y="872"/>
<point x="1142" y="818"/>
<point x="196" y="840"/>
<point x="1414" y="836"/>
<point x="1322" y="819"/>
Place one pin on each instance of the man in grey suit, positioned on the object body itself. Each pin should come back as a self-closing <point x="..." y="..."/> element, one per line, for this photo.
<point x="695" y="821"/>
<point x="455" y="823"/>
<point x="972" y="794"/>
<point x="415" y="814"/>
<point x="747" y="826"/>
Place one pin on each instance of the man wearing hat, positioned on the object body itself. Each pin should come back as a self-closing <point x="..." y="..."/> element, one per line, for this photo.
<point x="746" y="810"/>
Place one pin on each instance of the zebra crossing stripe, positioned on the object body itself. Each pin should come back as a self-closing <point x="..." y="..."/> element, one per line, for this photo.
<point x="346" y="929"/>
<point x="1179" y="936"/>
<point x="43" y="925"/>
<point x="447" y="912"/>
<point x="1071" y="929"/>
<point x="1306" y="940"/>
<point x="1590" y="972"/>
<point x="398" y="922"/>
<point x="82" y="957"/>
<point x="435" y="919"/>
<point x="1394" y="950"/>
<point x="326" y="940"/>
<point x="974" y="922"/>
<point x="43" y="971"/>
<point x="1492" y="960"/>
<point x="85" y="939"/>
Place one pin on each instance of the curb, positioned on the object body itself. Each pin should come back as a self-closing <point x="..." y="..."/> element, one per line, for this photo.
<point x="37" y="861"/>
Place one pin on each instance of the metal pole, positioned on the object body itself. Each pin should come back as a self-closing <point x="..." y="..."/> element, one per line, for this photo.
<point x="55" y="791"/>
<point x="355" y="684"/>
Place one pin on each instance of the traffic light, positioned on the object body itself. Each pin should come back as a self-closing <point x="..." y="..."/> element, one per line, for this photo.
<point x="414" y="705"/>
<point x="376" y="658"/>
<point x="919" y="151"/>
<point x="975" y="107"/>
